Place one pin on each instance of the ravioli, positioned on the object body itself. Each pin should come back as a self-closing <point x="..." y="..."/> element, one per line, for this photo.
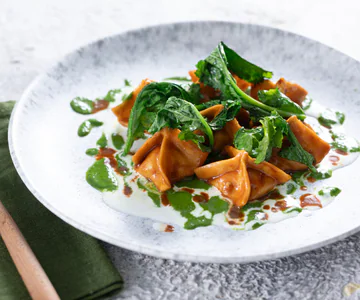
<point x="239" y="178"/>
<point x="165" y="159"/>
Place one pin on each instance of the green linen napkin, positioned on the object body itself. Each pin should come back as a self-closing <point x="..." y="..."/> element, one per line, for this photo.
<point x="76" y="264"/>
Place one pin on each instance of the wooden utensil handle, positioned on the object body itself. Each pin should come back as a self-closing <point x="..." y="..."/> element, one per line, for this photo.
<point x="33" y="275"/>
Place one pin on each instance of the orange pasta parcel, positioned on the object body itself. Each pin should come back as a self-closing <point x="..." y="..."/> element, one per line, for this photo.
<point x="239" y="178"/>
<point x="165" y="159"/>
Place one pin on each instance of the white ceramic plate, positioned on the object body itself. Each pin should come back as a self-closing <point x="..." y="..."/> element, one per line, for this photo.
<point x="50" y="158"/>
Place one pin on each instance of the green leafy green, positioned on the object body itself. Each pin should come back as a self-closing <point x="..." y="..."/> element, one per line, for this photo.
<point x="127" y="82"/>
<point x="86" y="127"/>
<point x="150" y="100"/>
<point x="102" y="141"/>
<point x="195" y="94"/>
<point x="101" y="176"/>
<point x="82" y="105"/>
<point x="243" y="68"/>
<point x="297" y="153"/>
<point x="275" y="98"/>
<point x="110" y="96"/>
<point x="260" y="141"/>
<point x="215" y="205"/>
<point x="229" y="112"/>
<point x="117" y="140"/>
<point x="92" y="151"/>
<point x="215" y="71"/>
<point x="181" y="114"/>
<point x="331" y="117"/>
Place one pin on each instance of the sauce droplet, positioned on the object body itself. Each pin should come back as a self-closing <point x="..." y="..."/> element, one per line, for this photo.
<point x="202" y="198"/>
<point x="341" y="152"/>
<point x="266" y="207"/>
<point x="100" y="105"/>
<point x="281" y="204"/>
<point x="109" y="153"/>
<point x="235" y="212"/>
<point x="311" y="179"/>
<point x="334" y="158"/>
<point x="164" y="199"/>
<point x="127" y="190"/>
<point x="309" y="200"/>
<point x="303" y="188"/>
<point x="274" y="194"/>
<point x="185" y="189"/>
<point x="169" y="228"/>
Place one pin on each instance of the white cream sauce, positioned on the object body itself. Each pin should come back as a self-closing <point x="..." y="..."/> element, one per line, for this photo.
<point x="140" y="204"/>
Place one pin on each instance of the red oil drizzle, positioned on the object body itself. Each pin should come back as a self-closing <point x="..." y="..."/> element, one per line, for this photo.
<point x="309" y="200"/>
<point x="100" y="105"/>
<point x="169" y="228"/>
<point x="235" y="212"/>
<point x="274" y="194"/>
<point x="266" y="207"/>
<point x="127" y="190"/>
<point x="185" y="189"/>
<point x="281" y="204"/>
<point x="164" y="200"/>
<point x="109" y="154"/>
<point x="274" y="209"/>
<point x="341" y="152"/>
<point x="334" y="159"/>
<point x="311" y="179"/>
<point x="202" y="198"/>
<point x="303" y="188"/>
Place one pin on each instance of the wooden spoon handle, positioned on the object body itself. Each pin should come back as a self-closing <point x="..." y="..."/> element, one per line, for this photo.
<point x="33" y="275"/>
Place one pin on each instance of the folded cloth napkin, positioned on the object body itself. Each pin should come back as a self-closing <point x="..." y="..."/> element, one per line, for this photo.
<point x="76" y="264"/>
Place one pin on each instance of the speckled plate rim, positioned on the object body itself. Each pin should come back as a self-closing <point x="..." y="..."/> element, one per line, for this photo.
<point x="134" y="247"/>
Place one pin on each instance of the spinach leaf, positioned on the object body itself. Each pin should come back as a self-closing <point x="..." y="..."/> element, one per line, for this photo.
<point x="150" y="100"/>
<point x="195" y="94"/>
<point x="243" y="68"/>
<point x="231" y="109"/>
<point x="248" y="139"/>
<point x="187" y="135"/>
<point x="215" y="71"/>
<point x="297" y="153"/>
<point x="277" y="99"/>
<point x="260" y="141"/>
<point x="181" y="114"/>
<point x="208" y="104"/>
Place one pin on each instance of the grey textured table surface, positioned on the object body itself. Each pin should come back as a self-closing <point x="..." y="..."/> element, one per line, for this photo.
<point x="34" y="34"/>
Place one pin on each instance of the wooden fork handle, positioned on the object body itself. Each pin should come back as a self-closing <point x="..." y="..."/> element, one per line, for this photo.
<point x="33" y="275"/>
